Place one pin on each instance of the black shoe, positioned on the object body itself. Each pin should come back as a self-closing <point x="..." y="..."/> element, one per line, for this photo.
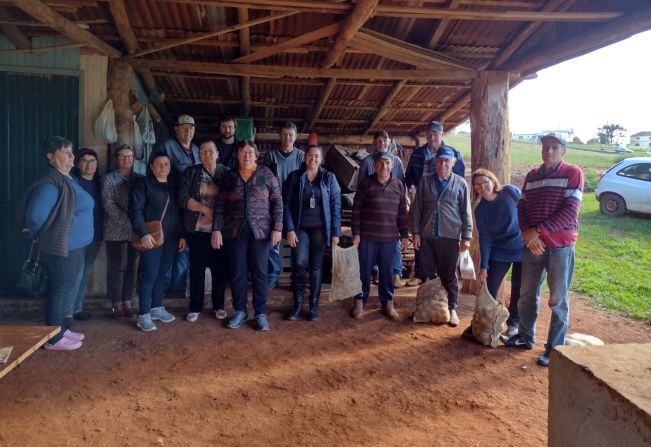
<point x="314" y="309"/>
<point x="82" y="316"/>
<point x="515" y="341"/>
<point x="543" y="360"/>
<point x="467" y="332"/>
<point x="295" y="314"/>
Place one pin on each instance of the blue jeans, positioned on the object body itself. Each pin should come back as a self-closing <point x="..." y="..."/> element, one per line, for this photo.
<point x="155" y="266"/>
<point x="558" y="265"/>
<point x="496" y="272"/>
<point x="274" y="264"/>
<point x="89" y="258"/>
<point x="179" y="272"/>
<point x="248" y="255"/>
<point x="65" y="277"/>
<point x="381" y="254"/>
<point x="397" y="262"/>
<point x="308" y="257"/>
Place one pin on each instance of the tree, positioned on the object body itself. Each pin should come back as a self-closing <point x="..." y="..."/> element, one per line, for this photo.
<point x="593" y="141"/>
<point x="609" y="133"/>
<point x="577" y="140"/>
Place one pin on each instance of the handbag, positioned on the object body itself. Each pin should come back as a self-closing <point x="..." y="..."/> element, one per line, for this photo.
<point x="34" y="277"/>
<point x="155" y="228"/>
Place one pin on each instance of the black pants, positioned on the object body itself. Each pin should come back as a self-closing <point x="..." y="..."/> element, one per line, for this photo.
<point x="248" y="255"/>
<point x="308" y="256"/>
<point x="440" y="257"/>
<point x="203" y="256"/>
<point x="122" y="270"/>
<point x="497" y="270"/>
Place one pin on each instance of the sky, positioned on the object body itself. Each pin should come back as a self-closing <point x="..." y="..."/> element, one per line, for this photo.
<point x="610" y="85"/>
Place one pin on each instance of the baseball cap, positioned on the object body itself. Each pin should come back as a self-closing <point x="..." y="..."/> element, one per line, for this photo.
<point x="382" y="155"/>
<point x="185" y="119"/>
<point x="445" y="152"/>
<point x="435" y="126"/>
<point x="553" y="135"/>
<point x="381" y="133"/>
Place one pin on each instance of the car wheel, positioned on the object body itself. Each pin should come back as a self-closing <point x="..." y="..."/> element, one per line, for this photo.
<point x="612" y="205"/>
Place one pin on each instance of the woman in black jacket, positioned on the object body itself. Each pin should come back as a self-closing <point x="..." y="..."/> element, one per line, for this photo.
<point x="153" y="198"/>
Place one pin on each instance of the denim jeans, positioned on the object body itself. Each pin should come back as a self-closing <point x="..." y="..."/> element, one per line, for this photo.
<point x="89" y="257"/>
<point x="203" y="256"/>
<point x="273" y="269"/>
<point x="248" y="255"/>
<point x="155" y="266"/>
<point x="308" y="256"/>
<point x="65" y="277"/>
<point x="178" y="275"/>
<point x="381" y="254"/>
<point x="397" y="262"/>
<point x="496" y="272"/>
<point x="558" y="265"/>
<point x="122" y="270"/>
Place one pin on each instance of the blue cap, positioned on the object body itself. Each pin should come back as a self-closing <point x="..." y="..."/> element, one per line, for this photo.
<point x="445" y="152"/>
<point x="381" y="155"/>
<point x="435" y="126"/>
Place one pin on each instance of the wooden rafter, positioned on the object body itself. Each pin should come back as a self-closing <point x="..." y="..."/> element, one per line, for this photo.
<point x="318" y="108"/>
<point x="274" y="71"/>
<point x="442" y="25"/>
<point x="219" y="32"/>
<point x="122" y="24"/>
<point x="385" y="106"/>
<point x="245" y="48"/>
<point x="404" y="52"/>
<point x="363" y="10"/>
<point x="14" y="34"/>
<point x="311" y="36"/>
<point x="45" y="14"/>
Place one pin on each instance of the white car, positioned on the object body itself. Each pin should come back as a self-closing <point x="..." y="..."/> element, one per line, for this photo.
<point x="626" y="187"/>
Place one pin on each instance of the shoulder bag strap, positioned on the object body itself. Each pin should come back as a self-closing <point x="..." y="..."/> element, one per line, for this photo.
<point x="167" y="202"/>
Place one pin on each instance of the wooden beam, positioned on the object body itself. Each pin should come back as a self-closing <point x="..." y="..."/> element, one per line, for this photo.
<point x="219" y="32"/>
<point x="122" y="24"/>
<point x="14" y="34"/>
<point x="459" y="104"/>
<point x="44" y="49"/>
<point x="156" y="97"/>
<point x="442" y="25"/>
<point x="363" y="10"/>
<point x="311" y="36"/>
<point x="404" y="52"/>
<point x="568" y="48"/>
<point x="245" y="48"/>
<point x="269" y="137"/>
<point x="43" y="13"/>
<point x="318" y="108"/>
<point x="386" y="104"/>
<point x="274" y="71"/>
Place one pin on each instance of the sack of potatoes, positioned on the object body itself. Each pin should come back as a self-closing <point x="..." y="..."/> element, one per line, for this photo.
<point x="432" y="303"/>
<point x="489" y="319"/>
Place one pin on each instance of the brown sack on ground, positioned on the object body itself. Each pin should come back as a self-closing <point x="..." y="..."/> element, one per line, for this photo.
<point x="432" y="303"/>
<point x="488" y="321"/>
<point x="577" y="339"/>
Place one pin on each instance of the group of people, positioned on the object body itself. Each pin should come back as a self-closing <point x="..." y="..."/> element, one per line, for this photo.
<point x="220" y="209"/>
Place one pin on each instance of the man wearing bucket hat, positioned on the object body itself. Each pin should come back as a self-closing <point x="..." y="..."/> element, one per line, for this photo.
<point x="548" y="214"/>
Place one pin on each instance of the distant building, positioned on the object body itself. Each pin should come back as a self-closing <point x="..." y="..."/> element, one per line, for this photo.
<point x="641" y="139"/>
<point x="567" y="134"/>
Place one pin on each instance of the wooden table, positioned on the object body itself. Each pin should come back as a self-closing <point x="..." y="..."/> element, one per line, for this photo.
<point x="25" y="340"/>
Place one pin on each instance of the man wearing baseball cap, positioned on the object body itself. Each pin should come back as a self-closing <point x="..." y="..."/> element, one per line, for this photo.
<point x="548" y="214"/>
<point x="442" y="225"/>
<point x="381" y="141"/>
<point x="180" y="149"/>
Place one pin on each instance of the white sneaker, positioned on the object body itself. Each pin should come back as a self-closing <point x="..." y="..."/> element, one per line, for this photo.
<point x="159" y="313"/>
<point x="221" y="314"/>
<point x="192" y="317"/>
<point x="145" y="324"/>
<point x="454" y="319"/>
<point x="511" y="331"/>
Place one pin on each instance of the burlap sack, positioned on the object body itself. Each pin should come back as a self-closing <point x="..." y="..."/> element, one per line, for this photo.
<point x="432" y="303"/>
<point x="345" y="273"/>
<point x="576" y="339"/>
<point x="489" y="319"/>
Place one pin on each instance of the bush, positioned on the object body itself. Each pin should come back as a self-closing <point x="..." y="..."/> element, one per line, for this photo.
<point x="590" y="178"/>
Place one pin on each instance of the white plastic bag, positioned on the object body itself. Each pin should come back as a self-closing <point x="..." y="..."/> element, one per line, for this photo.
<point x="345" y="273"/>
<point x="138" y="147"/>
<point x="466" y="266"/>
<point x="146" y="126"/>
<point x="105" y="124"/>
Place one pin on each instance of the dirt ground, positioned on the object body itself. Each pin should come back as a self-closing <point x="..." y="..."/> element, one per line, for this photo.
<point x="335" y="382"/>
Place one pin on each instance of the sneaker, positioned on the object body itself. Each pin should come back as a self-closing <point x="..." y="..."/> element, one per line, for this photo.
<point x="82" y="315"/>
<point x="64" y="344"/>
<point x="511" y="331"/>
<point x="261" y="322"/>
<point x="70" y="335"/>
<point x="396" y="282"/>
<point x="454" y="319"/>
<point x="145" y="323"/>
<point x="238" y="319"/>
<point x="413" y="282"/>
<point x="160" y="313"/>
<point x="192" y="317"/>
<point x="543" y="360"/>
<point x="516" y="341"/>
<point x="220" y="314"/>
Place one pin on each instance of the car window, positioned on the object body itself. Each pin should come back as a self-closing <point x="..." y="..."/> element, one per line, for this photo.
<point x="641" y="171"/>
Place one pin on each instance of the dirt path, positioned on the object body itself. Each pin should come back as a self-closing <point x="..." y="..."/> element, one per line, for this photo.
<point x="336" y="382"/>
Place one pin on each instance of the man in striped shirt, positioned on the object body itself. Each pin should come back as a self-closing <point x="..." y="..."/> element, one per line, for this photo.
<point x="548" y="213"/>
<point x="379" y="220"/>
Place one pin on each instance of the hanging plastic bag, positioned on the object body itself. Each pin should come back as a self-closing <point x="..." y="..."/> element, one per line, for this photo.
<point x="345" y="273"/>
<point x="466" y="266"/>
<point x="105" y="124"/>
<point x="138" y="146"/>
<point x="146" y="125"/>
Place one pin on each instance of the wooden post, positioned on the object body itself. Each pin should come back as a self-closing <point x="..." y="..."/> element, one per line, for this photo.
<point x="120" y="75"/>
<point x="489" y="138"/>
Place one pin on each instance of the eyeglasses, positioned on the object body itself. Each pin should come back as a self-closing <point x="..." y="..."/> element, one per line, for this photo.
<point x="480" y="184"/>
<point x="125" y="157"/>
<point x="91" y="161"/>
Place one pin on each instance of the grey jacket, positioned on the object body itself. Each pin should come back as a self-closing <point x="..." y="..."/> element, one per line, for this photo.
<point x="452" y="207"/>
